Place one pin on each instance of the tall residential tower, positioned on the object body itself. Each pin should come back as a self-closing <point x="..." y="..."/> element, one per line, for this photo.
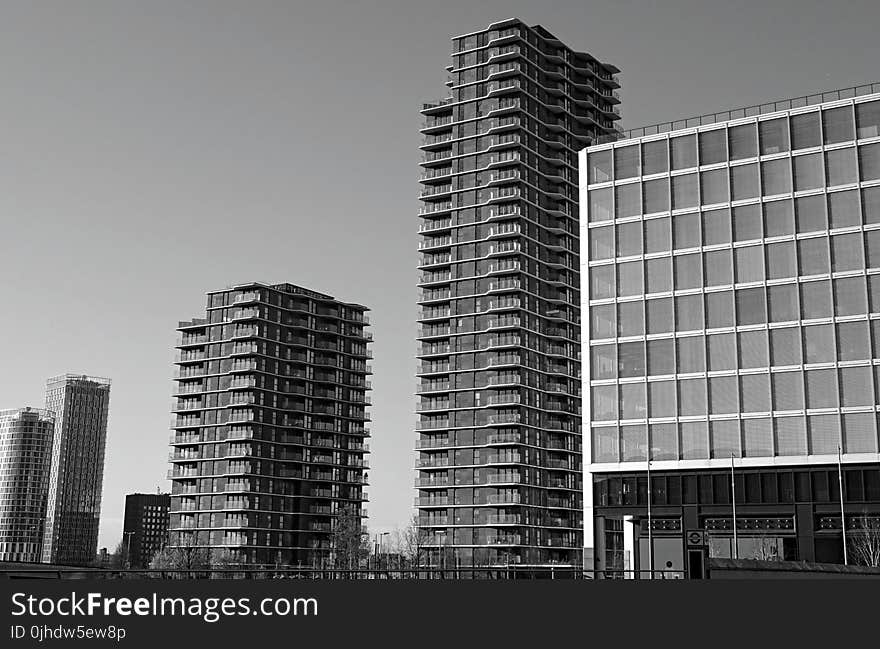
<point x="25" y="461"/>
<point x="499" y="438"/>
<point x="270" y="424"/>
<point x="80" y="404"/>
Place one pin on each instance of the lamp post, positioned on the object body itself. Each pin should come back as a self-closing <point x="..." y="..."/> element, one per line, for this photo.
<point x="382" y="546"/>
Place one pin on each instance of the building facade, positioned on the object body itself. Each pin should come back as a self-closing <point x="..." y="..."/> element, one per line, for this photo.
<point x="25" y="462"/>
<point x="498" y="433"/>
<point x="81" y="404"/>
<point x="731" y="269"/>
<point x="144" y="528"/>
<point x="269" y="441"/>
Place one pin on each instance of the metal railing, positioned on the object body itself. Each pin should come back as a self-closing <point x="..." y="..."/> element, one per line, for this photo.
<point x="746" y="111"/>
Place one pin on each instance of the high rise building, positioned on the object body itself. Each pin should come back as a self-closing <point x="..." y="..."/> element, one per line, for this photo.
<point x="144" y="528"/>
<point x="732" y="333"/>
<point x="25" y="461"/>
<point x="80" y="404"/>
<point x="499" y="438"/>
<point x="270" y="424"/>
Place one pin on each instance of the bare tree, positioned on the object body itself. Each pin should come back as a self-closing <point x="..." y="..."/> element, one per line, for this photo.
<point x="349" y="541"/>
<point x="186" y="557"/>
<point x="410" y="543"/>
<point x="863" y="540"/>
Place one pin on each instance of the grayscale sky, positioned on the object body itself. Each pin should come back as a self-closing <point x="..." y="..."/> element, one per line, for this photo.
<point x="152" y="151"/>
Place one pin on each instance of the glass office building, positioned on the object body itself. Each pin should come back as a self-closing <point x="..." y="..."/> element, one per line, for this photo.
<point x="731" y="269"/>
<point x="499" y="438"/>
<point x="81" y="405"/>
<point x="269" y="442"/>
<point x="25" y="462"/>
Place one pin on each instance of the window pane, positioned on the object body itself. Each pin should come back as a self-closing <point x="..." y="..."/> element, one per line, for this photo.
<point x="753" y="349"/>
<point x="599" y="167"/>
<point x="785" y="347"/>
<point x="749" y="264"/>
<point x="691" y="355"/>
<point x="713" y="147"/>
<point x="658" y="238"/>
<point x="604" y="407"/>
<point x="743" y="141"/>
<point x="859" y="434"/>
<point x="744" y="182"/>
<point x="716" y="226"/>
<point x="632" y="401"/>
<point x="718" y="268"/>
<point x="808" y="172"/>
<point x="823" y="432"/>
<point x="852" y="341"/>
<point x="791" y="436"/>
<point x="750" y="307"/>
<point x="630" y="359"/>
<point x="631" y="318"/>
<point x="601" y="282"/>
<point x="629" y="279"/>
<point x="714" y="186"/>
<point x="868" y="119"/>
<point x="837" y="124"/>
<point x="664" y="441"/>
<point x="626" y="162"/>
<point x="816" y="299"/>
<point x="757" y="437"/>
<point x="629" y="239"/>
<point x="722" y="352"/>
<point x="686" y="231"/>
<point x="602" y="363"/>
<point x="821" y="389"/>
<point x="850" y="297"/>
<point x="694" y="440"/>
<point x="684" y="152"/>
<point x="840" y="167"/>
<point x="691" y="397"/>
<point x="605" y="444"/>
<point x="871" y="204"/>
<point x="774" y="136"/>
<point x="656" y="195"/>
<point x="805" y="131"/>
<point x="776" y="175"/>
<point x="719" y="309"/>
<point x="689" y="313"/>
<point x="819" y="344"/>
<point x="602" y="321"/>
<point x="661" y="357"/>
<point x="633" y="443"/>
<point x="627" y="200"/>
<point x="869" y="161"/>
<point x="843" y="209"/>
<point x="723" y="395"/>
<point x="755" y="392"/>
<point x="781" y="260"/>
<point x="600" y="204"/>
<point x="788" y="391"/>
<point x="747" y="222"/>
<point x="687" y="271"/>
<point x="659" y="274"/>
<point x="778" y="218"/>
<point x="601" y="243"/>
<point x="874" y="293"/>
<point x="655" y="157"/>
<point x="661" y="396"/>
<point x="872" y="243"/>
<point x="783" y="303"/>
<point x="813" y="254"/>
<point x="725" y="438"/>
<point x="659" y="315"/>
<point x="810" y="211"/>
<point x="684" y="191"/>
<point x="856" y="387"/>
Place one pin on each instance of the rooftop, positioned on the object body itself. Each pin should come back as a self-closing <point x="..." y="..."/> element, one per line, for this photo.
<point x="746" y="111"/>
<point x="75" y="378"/>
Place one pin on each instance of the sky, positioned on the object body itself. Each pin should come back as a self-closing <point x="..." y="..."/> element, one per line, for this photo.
<point x="153" y="151"/>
